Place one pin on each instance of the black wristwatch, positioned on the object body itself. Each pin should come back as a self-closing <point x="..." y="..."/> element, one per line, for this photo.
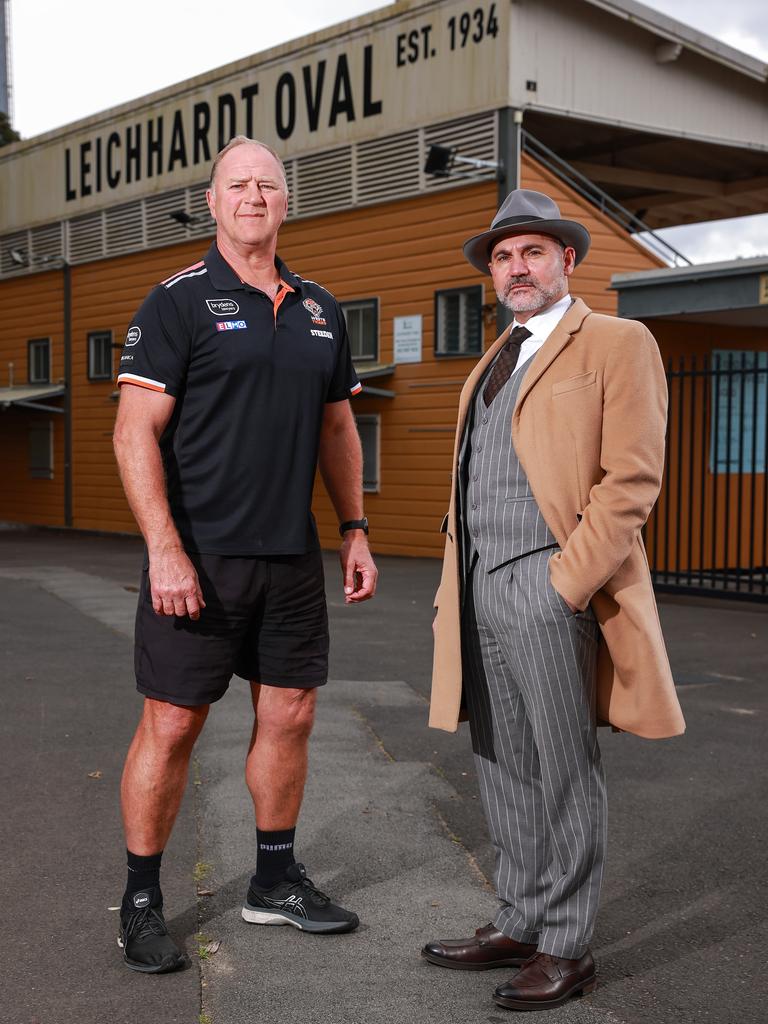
<point x="354" y="524"/>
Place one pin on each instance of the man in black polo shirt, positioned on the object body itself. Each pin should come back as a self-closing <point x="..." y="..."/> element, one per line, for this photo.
<point x="235" y="379"/>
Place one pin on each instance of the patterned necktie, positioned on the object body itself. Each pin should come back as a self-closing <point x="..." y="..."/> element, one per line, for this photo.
<point x="505" y="364"/>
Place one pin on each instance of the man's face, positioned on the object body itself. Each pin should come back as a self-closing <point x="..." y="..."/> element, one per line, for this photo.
<point x="249" y="200"/>
<point x="530" y="272"/>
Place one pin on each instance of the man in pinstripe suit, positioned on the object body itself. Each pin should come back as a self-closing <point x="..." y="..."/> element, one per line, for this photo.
<point x="528" y="655"/>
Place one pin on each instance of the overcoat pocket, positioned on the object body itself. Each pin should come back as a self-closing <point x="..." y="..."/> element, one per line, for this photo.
<point x="581" y="380"/>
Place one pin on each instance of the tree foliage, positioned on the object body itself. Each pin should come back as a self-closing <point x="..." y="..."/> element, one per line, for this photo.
<point x="7" y="132"/>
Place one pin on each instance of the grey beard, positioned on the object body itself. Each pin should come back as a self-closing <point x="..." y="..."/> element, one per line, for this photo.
<point x="540" y="298"/>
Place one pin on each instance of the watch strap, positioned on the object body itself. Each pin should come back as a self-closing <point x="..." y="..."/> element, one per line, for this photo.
<point x="354" y="524"/>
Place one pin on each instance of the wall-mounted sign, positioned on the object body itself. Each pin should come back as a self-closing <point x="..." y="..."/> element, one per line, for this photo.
<point x="408" y="332"/>
<point x="387" y="73"/>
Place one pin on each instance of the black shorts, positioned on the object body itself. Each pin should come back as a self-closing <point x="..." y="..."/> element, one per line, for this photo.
<point x="265" y="619"/>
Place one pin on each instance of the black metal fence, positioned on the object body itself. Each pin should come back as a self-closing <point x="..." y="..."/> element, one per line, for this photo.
<point x="708" y="533"/>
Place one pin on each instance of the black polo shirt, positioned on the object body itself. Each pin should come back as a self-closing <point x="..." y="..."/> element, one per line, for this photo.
<point x="251" y="378"/>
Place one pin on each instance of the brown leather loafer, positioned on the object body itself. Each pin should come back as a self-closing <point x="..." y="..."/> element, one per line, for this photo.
<point x="486" y="949"/>
<point x="545" y="981"/>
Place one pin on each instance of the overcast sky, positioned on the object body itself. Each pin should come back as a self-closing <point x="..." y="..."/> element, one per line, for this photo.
<point x="75" y="57"/>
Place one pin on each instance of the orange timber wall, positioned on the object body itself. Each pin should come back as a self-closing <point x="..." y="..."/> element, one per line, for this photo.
<point x="399" y="252"/>
<point x="30" y="307"/>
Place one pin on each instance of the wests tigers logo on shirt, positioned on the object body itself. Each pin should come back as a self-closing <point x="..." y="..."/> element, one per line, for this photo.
<point x="315" y="311"/>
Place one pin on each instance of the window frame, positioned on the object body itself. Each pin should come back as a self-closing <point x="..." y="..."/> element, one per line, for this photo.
<point x="92" y="337"/>
<point x="372" y="418"/>
<point x="33" y="345"/>
<point x="369" y="300"/>
<point x="732" y="443"/>
<point x="40" y="471"/>
<point x="479" y="290"/>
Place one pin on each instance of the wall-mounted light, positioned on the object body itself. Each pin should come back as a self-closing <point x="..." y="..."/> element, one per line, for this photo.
<point x="441" y="160"/>
<point x="182" y="217"/>
<point x="20" y="258"/>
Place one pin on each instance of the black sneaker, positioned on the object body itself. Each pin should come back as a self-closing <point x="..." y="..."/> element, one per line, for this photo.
<point x="296" y="901"/>
<point x="144" y="938"/>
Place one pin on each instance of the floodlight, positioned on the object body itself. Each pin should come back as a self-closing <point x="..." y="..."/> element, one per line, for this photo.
<point x="183" y="218"/>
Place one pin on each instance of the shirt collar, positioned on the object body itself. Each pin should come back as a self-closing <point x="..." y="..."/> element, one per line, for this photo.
<point x="542" y="324"/>
<point x="224" y="279"/>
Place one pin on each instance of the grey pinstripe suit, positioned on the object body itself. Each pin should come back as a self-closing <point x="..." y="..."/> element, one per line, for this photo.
<point x="530" y="682"/>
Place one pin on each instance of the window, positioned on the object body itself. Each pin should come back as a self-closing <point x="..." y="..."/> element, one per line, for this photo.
<point x="368" y="428"/>
<point x="41" y="450"/>
<point x="459" y="321"/>
<point x="739" y="411"/>
<point x="100" y="355"/>
<point x="362" y="316"/>
<point x="39" y="361"/>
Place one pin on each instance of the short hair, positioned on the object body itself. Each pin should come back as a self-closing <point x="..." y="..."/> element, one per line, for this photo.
<point x="243" y="140"/>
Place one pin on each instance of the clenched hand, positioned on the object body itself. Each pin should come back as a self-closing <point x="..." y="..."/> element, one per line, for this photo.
<point x="174" y="584"/>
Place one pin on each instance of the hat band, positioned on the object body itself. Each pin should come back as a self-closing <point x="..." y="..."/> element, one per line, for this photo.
<point x="509" y="222"/>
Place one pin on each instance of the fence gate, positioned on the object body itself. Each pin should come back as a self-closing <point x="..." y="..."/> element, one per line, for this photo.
<point x="708" y="533"/>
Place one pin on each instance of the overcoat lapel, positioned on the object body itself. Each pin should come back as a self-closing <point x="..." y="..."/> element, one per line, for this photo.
<point x="548" y="352"/>
<point x="470" y="384"/>
<point x="551" y="349"/>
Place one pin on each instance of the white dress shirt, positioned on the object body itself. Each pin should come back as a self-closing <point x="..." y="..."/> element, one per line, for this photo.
<point x="541" y="326"/>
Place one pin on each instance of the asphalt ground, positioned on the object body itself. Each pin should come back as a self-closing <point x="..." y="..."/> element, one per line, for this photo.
<point x="391" y="825"/>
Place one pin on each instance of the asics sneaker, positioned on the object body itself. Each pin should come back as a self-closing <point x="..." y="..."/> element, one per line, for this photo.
<point x="296" y="901"/>
<point x="144" y="938"/>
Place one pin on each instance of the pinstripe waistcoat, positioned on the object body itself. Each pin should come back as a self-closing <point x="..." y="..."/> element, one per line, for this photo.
<point x="501" y="520"/>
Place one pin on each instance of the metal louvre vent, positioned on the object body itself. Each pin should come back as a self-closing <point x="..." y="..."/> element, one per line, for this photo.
<point x="473" y="136"/>
<point x="388" y="168"/>
<point x="198" y="207"/>
<point x="358" y="175"/>
<point x="86" y="238"/>
<point x="290" y="178"/>
<point x="125" y="228"/>
<point x="161" y="228"/>
<point x="46" y="243"/>
<point x="324" y="182"/>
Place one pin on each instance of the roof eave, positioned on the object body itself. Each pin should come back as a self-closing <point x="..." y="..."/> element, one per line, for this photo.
<point x="697" y="272"/>
<point x="676" y="31"/>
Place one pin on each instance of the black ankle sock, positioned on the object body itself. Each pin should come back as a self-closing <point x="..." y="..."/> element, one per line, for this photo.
<point x="275" y="855"/>
<point x="143" y="873"/>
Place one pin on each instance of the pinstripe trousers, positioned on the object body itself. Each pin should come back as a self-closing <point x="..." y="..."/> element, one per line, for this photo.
<point x="530" y="667"/>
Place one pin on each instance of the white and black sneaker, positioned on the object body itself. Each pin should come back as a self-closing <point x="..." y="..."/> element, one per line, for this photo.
<point x="144" y="938"/>
<point x="296" y="901"/>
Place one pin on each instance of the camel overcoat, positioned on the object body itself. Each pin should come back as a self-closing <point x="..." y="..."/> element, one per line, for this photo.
<point x="588" y="427"/>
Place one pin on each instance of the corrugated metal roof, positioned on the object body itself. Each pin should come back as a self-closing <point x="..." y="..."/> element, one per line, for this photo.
<point x="29" y="393"/>
<point x="723" y="268"/>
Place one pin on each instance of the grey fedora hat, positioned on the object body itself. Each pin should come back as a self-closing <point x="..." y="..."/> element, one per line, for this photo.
<point x="525" y="212"/>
